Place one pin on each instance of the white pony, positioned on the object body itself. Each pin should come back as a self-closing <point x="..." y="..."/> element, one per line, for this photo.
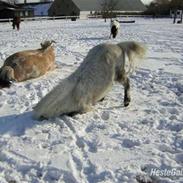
<point x="93" y="79"/>
<point x="115" y="27"/>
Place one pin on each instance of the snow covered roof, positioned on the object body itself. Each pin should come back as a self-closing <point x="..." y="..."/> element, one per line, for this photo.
<point x="122" y="5"/>
<point x="7" y="4"/>
<point x="8" y="8"/>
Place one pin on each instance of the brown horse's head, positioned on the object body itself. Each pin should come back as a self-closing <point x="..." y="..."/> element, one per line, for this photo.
<point x="6" y="76"/>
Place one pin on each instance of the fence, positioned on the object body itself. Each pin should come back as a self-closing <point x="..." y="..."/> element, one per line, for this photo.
<point x="67" y="17"/>
<point x="41" y="18"/>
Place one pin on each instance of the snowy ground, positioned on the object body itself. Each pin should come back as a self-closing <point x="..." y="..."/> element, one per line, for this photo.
<point x="110" y="144"/>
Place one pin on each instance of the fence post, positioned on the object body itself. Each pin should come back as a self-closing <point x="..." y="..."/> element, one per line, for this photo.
<point x="175" y="16"/>
<point x="181" y="16"/>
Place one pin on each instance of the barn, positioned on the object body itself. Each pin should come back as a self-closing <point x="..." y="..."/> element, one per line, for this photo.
<point x="78" y="7"/>
<point x="10" y="10"/>
<point x="39" y="8"/>
<point x="6" y="10"/>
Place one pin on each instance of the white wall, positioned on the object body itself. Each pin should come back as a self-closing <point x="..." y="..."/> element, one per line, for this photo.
<point x="84" y="14"/>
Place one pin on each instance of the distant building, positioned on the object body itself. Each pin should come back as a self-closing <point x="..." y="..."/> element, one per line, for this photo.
<point x="6" y="10"/>
<point x="79" y="7"/>
<point x="39" y="8"/>
<point x="64" y="8"/>
<point x="10" y="10"/>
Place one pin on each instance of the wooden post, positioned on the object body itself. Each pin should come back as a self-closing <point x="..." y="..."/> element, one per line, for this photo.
<point x="181" y="16"/>
<point x="175" y="16"/>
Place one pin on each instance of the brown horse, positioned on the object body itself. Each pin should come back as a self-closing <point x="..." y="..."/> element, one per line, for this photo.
<point x="27" y="64"/>
<point x="16" y="22"/>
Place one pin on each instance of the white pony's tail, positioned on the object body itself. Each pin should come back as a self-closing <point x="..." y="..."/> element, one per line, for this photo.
<point x="134" y="51"/>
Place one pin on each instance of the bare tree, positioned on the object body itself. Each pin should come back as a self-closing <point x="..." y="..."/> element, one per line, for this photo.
<point x="159" y="8"/>
<point x="161" y="1"/>
<point x="163" y="7"/>
<point x="176" y="4"/>
<point x="108" y="7"/>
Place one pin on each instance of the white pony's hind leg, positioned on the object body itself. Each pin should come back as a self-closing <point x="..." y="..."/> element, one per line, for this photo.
<point x="122" y="78"/>
<point x="127" y="97"/>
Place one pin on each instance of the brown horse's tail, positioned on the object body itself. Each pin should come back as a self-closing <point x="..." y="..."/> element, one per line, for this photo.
<point x="6" y="76"/>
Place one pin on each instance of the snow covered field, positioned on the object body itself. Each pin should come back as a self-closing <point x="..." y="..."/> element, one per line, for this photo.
<point x="111" y="144"/>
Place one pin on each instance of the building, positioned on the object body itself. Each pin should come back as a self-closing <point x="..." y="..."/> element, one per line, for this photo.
<point x="7" y="10"/>
<point x="39" y="8"/>
<point x="63" y="8"/>
<point x="10" y="10"/>
<point x="79" y="7"/>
